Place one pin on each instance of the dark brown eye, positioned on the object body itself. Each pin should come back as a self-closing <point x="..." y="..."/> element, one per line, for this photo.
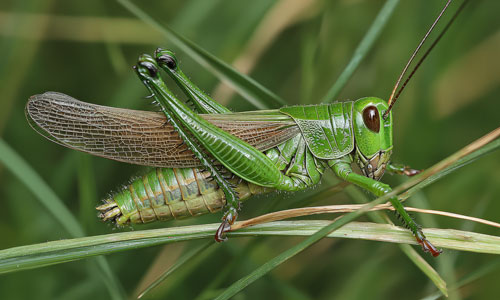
<point x="168" y="61"/>
<point x="371" y="118"/>
<point x="150" y="67"/>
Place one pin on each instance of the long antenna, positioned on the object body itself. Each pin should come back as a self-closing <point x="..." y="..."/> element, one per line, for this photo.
<point x="394" y="96"/>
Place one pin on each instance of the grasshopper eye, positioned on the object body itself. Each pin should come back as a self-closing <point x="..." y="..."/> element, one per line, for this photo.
<point x="150" y="67"/>
<point x="168" y="61"/>
<point x="371" y="118"/>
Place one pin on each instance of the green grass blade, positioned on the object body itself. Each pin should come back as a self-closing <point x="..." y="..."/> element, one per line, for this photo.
<point x="426" y="268"/>
<point x="179" y="263"/>
<point x="108" y="278"/>
<point x="489" y="148"/>
<point x="55" y="252"/>
<point x="179" y="278"/>
<point x="86" y="191"/>
<point x="250" y="89"/>
<point x="471" y="277"/>
<point x="17" y="165"/>
<point x="357" y="195"/>
<point x="364" y="46"/>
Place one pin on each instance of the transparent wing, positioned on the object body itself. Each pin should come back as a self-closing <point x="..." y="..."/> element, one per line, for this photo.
<point x="142" y="137"/>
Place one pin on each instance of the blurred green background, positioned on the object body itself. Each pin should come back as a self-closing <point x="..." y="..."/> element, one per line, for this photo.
<point x="297" y="49"/>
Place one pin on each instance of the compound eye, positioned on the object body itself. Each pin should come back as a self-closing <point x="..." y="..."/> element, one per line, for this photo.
<point x="371" y="118"/>
<point x="150" y="67"/>
<point x="168" y="61"/>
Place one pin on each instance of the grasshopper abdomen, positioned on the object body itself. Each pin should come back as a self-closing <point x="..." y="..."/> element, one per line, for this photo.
<point x="170" y="193"/>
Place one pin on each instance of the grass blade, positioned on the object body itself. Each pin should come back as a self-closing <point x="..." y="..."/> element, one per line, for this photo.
<point x="55" y="252"/>
<point x="32" y="181"/>
<point x="254" y="92"/>
<point x="13" y="162"/>
<point x="364" y="46"/>
<point x="360" y="197"/>
<point x="179" y="263"/>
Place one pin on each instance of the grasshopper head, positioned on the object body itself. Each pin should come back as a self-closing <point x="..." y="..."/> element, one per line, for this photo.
<point x="372" y="136"/>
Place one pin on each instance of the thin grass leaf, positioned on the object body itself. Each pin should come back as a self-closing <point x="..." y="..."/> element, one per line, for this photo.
<point x="426" y="268"/>
<point x="454" y="165"/>
<point x="409" y="251"/>
<point x="470" y="277"/>
<point x="10" y="159"/>
<point x="26" y="174"/>
<point x="80" y="290"/>
<point x="55" y="252"/>
<point x="86" y="191"/>
<point x="364" y="46"/>
<point x="19" y="55"/>
<point x="179" y="263"/>
<point x="238" y="259"/>
<point x="178" y="279"/>
<point x="254" y="92"/>
<point x="365" y="276"/>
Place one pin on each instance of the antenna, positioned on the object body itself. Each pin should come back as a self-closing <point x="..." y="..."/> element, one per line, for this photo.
<point x="394" y="96"/>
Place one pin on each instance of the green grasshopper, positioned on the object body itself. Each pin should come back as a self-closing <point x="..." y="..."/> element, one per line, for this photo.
<point x="209" y="158"/>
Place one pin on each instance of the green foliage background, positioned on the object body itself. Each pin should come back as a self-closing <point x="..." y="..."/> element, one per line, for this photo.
<point x="85" y="49"/>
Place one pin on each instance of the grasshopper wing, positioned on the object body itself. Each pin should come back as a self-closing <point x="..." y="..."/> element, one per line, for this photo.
<point x="142" y="137"/>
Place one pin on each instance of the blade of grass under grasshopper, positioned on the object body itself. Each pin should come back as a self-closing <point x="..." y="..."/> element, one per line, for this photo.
<point x="364" y="46"/>
<point x="13" y="162"/>
<point x="254" y="92"/>
<point x="55" y="252"/>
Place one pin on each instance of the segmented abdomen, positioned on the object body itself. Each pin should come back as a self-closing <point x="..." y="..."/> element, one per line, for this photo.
<point x="170" y="193"/>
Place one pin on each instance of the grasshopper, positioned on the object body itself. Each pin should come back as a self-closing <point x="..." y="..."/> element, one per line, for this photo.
<point x="209" y="158"/>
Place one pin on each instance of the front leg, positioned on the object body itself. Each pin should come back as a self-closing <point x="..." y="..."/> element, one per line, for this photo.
<point x="342" y="168"/>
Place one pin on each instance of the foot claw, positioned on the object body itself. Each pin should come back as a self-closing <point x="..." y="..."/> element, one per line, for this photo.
<point x="227" y="220"/>
<point x="411" y="172"/>
<point x="428" y="246"/>
<point x="220" y="234"/>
